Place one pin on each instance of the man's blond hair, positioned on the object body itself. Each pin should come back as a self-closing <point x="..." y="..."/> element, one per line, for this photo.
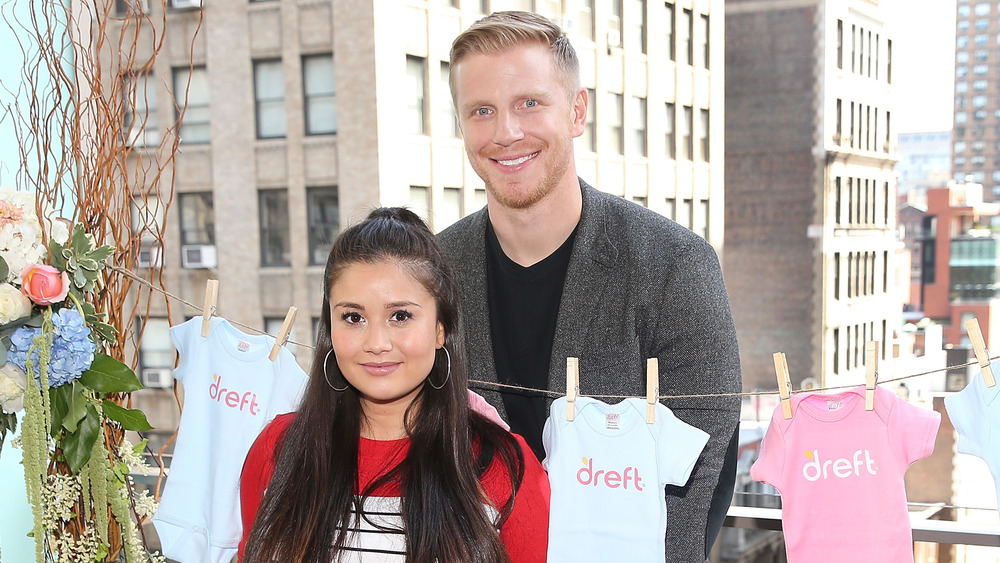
<point x="501" y="31"/>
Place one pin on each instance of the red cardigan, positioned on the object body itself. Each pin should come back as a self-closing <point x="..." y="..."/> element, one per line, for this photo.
<point x="524" y="534"/>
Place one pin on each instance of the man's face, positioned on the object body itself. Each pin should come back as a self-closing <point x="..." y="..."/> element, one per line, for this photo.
<point x="518" y="121"/>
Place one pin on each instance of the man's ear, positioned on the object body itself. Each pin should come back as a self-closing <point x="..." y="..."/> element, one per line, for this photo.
<point x="580" y="103"/>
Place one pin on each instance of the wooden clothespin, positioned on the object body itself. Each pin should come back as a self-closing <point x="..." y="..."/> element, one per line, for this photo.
<point x="572" y="386"/>
<point x="871" y="375"/>
<point x="979" y="346"/>
<point x="286" y="327"/>
<point x="652" y="388"/>
<point x="211" y="297"/>
<point x="784" y="383"/>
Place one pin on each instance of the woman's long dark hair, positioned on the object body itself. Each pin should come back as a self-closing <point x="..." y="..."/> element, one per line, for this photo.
<point x="305" y="515"/>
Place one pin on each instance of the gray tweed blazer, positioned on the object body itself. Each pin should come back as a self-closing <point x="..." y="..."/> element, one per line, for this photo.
<point x="638" y="286"/>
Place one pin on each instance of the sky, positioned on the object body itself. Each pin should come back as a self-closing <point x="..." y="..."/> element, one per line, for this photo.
<point x="924" y="65"/>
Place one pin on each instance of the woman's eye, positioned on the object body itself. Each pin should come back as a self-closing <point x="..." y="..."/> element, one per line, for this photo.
<point x="351" y="318"/>
<point x="400" y="316"/>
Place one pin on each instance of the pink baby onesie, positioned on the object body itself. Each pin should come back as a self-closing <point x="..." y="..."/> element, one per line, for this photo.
<point x="839" y="469"/>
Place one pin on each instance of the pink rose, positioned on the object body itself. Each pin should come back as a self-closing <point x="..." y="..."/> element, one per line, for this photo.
<point x="44" y="284"/>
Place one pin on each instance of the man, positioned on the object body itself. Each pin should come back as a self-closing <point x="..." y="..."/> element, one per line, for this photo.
<point x="553" y="268"/>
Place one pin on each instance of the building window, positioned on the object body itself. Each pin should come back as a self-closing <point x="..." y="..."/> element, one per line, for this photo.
<point x="671" y="26"/>
<point x="840" y="44"/>
<point x="671" y="131"/>
<point x="888" y="61"/>
<point x="191" y="95"/>
<point x="447" y="123"/>
<point x="416" y="88"/>
<point x="635" y="42"/>
<point x="699" y="218"/>
<point x="703" y="37"/>
<point x="585" y="21"/>
<point x="140" y="109"/>
<point x="687" y="134"/>
<point x="323" y="210"/>
<point x="836" y="275"/>
<point x="272" y="326"/>
<point x="197" y="218"/>
<point x="451" y="210"/>
<point x="155" y="349"/>
<point x="420" y="201"/>
<point x="320" y="94"/>
<point x="682" y="215"/>
<point x="614" y="133"/>
<point x="587" y="139"/>
<point x="275" y="238"/>
<point x="703" y="134"/>
<point x="685" y="40"/>
<point x="637" y="116"/>
<point x="131" y="8"/>
<point x="615" y="23"/>
<point x="269" y="98"/>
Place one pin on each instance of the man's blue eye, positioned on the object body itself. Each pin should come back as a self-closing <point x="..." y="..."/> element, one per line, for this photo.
<point x="531" y="103"/>
<point x="482" y="111"/>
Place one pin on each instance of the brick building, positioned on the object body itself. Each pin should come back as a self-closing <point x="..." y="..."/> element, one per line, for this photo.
<point x="810" y="189"/>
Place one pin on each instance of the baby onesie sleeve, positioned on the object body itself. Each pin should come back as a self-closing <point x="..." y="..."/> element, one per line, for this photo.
<point x="770" y="463"/>
<point x="181" y="335"/>
<point x="912" y="429"/>
<point x="964" y="409"/>
<point x="289" y="385"/>
<point x="678" y="446"/>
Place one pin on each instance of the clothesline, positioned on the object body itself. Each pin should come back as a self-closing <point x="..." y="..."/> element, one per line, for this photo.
<point x="910" y="503"/>
<point x="556" y="394"/>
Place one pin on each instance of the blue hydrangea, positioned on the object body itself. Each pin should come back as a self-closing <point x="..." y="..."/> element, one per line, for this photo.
<point x="72" y="349"/>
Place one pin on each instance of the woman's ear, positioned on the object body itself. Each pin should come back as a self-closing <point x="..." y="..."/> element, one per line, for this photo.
<point x="440" y="334"/>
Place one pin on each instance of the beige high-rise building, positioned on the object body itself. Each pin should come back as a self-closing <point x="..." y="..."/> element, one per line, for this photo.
<point x="810" y="187"/>
<point x="301" y="115"/>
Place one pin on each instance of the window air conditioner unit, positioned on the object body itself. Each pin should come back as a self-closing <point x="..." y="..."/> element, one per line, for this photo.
<point x="614" y="38"/>
<point x="157" y="378"/>
<point x="199" y="256"/>
<point x="150" y="256"/>
<point x="185" y="4"/>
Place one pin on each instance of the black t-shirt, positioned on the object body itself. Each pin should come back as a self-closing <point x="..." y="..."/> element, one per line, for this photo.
<point x="524" y="305"/>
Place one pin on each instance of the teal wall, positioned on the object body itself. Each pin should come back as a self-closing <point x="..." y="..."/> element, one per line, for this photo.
<point x="15" y="517"/>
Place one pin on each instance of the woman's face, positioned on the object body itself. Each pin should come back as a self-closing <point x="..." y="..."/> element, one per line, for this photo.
<point x="385" y="332"/>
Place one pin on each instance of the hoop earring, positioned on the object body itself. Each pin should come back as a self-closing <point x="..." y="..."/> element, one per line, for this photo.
<point x="327" y="377"/>
<point x="445" y="382"/>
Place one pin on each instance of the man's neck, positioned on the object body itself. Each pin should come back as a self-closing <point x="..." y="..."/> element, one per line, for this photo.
<point x="529" y="235"/>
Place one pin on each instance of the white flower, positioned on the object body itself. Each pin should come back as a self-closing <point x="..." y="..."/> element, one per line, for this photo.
<point x="13" y="382"/>
<point x="13" y="303"/>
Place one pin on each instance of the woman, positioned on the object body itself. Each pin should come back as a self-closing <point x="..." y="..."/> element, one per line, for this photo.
<point x="385" y="461"/>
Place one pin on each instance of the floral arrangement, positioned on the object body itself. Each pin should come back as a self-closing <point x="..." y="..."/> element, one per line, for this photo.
<point x="53" y="367"/>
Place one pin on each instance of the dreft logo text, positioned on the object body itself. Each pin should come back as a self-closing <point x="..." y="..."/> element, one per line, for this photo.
<point x="817" y="468"/>
<point x="610" y="479"/>
<point x="233" y="399"/>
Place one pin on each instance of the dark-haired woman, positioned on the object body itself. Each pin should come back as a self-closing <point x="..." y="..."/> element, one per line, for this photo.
<point x="385" y="461"/>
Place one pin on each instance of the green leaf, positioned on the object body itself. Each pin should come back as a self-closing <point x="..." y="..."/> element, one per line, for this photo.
<point x="56" y="258"/>
<point x="4" y="269"/>
<point x="108" y="375"/>
<point x="77" y="407"/>
<point x="80" y="279"/>
<point x="130" y="419"/>
<point x="101" y="253"/>
<point x="88" y="264"/>
<point x="59" y="400"/>
<point x="79" y="240"/>
<point x="104" y="330"/>
<point x="77" y="445"/>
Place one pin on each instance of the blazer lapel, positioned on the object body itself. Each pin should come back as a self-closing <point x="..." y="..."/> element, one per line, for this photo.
<point x="591" y="265"/>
